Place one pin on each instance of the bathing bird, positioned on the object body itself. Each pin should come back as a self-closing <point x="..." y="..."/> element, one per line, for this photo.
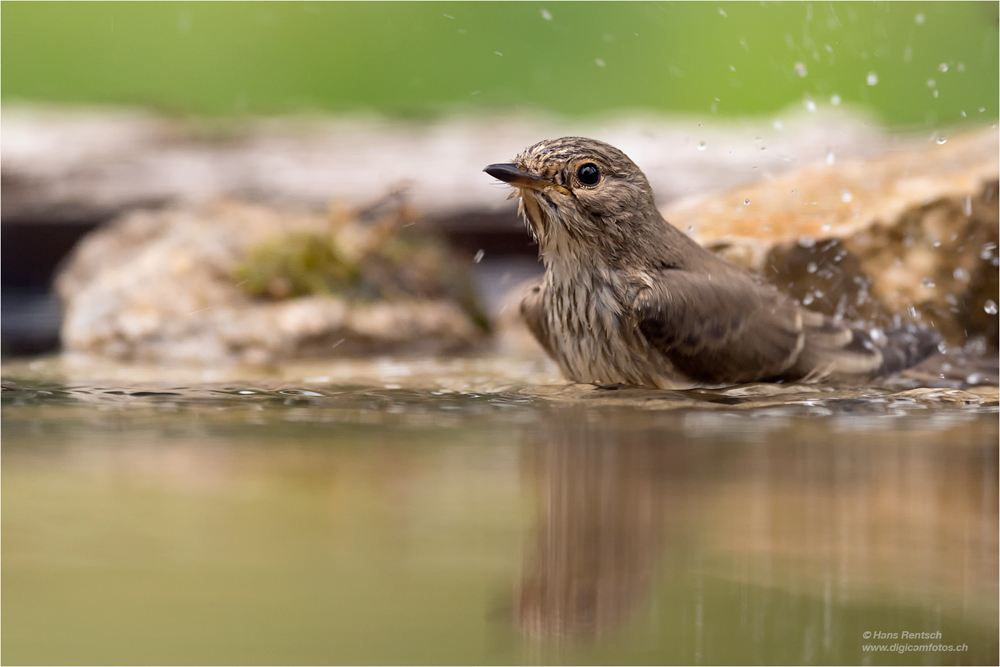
<point x="628" y="299"/>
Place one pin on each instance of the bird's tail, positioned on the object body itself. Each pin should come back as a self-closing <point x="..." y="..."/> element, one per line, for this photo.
<point x="906" y="347"/>
<point x="833" y="349"/>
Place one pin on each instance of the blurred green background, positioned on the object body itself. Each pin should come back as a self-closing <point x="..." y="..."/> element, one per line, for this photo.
<point x="422" y="59"/>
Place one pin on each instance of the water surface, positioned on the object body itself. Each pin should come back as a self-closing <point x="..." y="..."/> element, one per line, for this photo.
<point x="475" y="512"/>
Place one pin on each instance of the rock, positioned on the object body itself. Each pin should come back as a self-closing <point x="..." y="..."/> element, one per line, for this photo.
<point x="89" y="164"/>
<point x="909" y="235"/>
<point x="175" y="285"/>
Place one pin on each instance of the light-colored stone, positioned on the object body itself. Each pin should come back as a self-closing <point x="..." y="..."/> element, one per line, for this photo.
<point x="87" y="163"/>
<point x="912" y="233"/>
<point x="160" y="286"/>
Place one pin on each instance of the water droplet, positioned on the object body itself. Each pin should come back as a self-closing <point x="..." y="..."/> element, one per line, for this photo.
<point x="940" y="140"/>
<point x="763" y="148"/>
<point x="975" y="346"/>
<point x="935" y="93"/>
<point x="846" y="196"/>
<point x="987" y="251"/>
<point x="943" y="67"/>
<point x="927" y="282"/>
<point x="877" y="335"/>
<point x="830" y="158"/>
<point x="835" y="99"/>
<point x="800" y="69"/>
<point x="811" y="267"/>
<point x="974" y="378"/>
<point x="778" y="125"/>
<point x="498" y="53"/>
<point x="872" y="79"/>
<point x="931" y="83"/>
<point x="982" y="109"/>
<point x="732" y="68"/>
<point x="600" y="63"/>
<point x="810" y="105"/>
<point x="967" y="205"/>
<point x="479" y="256"/>
<point x="701" y="145"/>
<point x="807" y="299"/>
<point x="990" y="307"/>
<point x="807" y="241"/>
<point x="746" y="202"/>
<point x="919" y="18"/>
<point x="722" y="12"/>
<point x="962" y="275"/>
<point x="963" y="114"/>
<point x="961" y="67"/>
<point x="546" y="15"/>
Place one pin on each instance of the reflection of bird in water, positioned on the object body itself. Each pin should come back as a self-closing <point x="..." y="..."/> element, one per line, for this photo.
<point x="628" y="298"/>
<point x="596" y="541"/>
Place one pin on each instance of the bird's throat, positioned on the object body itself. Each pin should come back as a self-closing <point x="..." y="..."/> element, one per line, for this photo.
<point x="533" y="216"/>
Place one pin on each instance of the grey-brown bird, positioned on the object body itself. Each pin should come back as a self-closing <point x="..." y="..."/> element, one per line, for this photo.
<point x="629" y="299"/>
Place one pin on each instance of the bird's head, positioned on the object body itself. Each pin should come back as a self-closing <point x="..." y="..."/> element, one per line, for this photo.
<point x="579" y="191"/>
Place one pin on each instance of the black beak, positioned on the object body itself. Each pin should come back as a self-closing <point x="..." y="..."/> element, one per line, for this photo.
<point x="511" y="173"/>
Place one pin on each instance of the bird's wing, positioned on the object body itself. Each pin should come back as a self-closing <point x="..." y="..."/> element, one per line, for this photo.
<point x="734" y="330"/>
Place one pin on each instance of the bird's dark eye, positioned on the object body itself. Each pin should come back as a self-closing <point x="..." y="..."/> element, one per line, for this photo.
<point x="588" y="174"/>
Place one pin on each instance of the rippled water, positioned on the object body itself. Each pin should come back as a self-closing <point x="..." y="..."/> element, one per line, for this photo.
<point x="478" y="511"/>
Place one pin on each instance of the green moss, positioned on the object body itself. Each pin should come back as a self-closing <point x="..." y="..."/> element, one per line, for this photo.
<point x="396" y="266"/>
<point x="296" y="265"/>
